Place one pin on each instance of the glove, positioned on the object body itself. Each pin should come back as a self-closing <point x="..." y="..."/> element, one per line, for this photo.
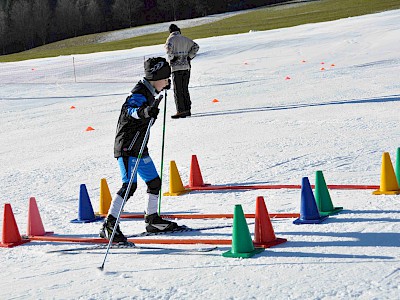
<point x="148" y="112"/>
<point x="152" y="112"/>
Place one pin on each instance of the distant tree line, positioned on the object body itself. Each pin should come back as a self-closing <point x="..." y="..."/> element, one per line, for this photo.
<point x="25" y="24"/>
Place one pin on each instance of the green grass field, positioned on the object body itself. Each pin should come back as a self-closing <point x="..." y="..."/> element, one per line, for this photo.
<point x="278" y="16"/>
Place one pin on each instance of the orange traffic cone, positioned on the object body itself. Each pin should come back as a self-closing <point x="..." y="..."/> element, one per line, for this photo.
<point x="389" y="185"/>
<point x="10" y="236"/>
<point x="89" y="128"/>
<point x="35" y="225"/>
<point x="264" y="235"/>
<point x="195" y="178"/>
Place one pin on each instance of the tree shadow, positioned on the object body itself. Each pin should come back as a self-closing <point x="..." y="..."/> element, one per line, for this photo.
<point x="392" y="98"/>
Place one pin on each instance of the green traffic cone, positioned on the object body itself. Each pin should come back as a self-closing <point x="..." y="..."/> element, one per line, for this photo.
<point x="398" y="166"/>
<point x="322" y="197"/>
<point x="242" y="244"/>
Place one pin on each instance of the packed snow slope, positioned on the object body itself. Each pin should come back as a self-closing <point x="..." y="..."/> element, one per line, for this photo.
<point x="265" y="129"/>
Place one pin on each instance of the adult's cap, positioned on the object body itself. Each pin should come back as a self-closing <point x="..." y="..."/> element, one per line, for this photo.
<point x="173" y="28"/>
<point x="156" y="68"/>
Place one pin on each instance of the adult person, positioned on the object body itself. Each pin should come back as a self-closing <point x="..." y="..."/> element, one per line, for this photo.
<point x="180" y="51"/>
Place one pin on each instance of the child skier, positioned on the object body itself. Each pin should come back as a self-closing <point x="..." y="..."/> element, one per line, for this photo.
<point x="133" y="121"/>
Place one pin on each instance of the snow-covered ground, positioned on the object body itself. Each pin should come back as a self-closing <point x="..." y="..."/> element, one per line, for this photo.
<point x="265" y="129"/>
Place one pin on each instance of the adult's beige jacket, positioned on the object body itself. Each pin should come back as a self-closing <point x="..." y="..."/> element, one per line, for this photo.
<point x="179" y="49"/>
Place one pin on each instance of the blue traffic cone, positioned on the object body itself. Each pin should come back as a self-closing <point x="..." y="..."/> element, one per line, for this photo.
<point x="85" y="211"/>
<point x="308" y="207"/>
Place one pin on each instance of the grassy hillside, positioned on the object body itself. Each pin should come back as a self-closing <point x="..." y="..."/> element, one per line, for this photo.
<point x="262" y="19"/>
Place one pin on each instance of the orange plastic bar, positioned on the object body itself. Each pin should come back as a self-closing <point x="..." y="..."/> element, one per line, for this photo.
<point x="281" y="186"/>
<point x="71" y="239"/>
<point x="209" y="216"/>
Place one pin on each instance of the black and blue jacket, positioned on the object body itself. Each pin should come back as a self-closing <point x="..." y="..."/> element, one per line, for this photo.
<point x="132" y="126"/>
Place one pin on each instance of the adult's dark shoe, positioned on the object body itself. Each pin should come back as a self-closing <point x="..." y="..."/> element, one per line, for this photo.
<point x="182" y="114"/>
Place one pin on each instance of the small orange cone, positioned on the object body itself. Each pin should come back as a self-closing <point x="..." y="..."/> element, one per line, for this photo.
<point x="332" y="65"/>
<point x="176" y="187"/>
<point x="10" y="235"/>
<point x="35" y="225"/>
<point x="303" y="61"/>
<point x="322" y="63"/>
<point x="264" y="235"/>
<point x="287" y="78"/>
<point x="215" y="101"/>
<point x="72" y="107"/>
<point x="389" y="185"/>
<point x="89" y="129"/>
<point x="195" y="178"/>
<point x="322" y="69"/>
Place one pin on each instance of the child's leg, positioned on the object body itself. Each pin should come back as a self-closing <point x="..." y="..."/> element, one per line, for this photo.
<point x="153" y="221"/>
<point x="125" y="165"/>
<point x="147" y="171"/>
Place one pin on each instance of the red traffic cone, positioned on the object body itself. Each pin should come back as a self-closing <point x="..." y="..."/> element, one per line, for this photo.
<point x="195" y="178"/>
<point x="264" y="235"/>
<point x="35" y="224"/>
<point x="10" y="236"/>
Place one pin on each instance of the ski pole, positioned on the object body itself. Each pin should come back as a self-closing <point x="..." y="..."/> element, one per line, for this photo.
<point x="162" y="152"/>
<point x="156" y="103"/>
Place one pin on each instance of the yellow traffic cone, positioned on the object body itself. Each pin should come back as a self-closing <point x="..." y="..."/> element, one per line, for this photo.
<point x="176" y="187"/>
<point x="105" y="197"/>
<point x="389" y="185"/>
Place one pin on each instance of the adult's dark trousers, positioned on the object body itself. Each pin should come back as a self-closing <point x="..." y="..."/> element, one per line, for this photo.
<point x="181" y="90"/>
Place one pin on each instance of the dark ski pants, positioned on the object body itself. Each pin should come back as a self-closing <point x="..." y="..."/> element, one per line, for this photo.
<point x="181" y="90"/>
